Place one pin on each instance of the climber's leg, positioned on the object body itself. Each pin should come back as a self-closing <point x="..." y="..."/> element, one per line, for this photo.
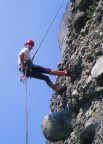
<point x="66" y="72"/>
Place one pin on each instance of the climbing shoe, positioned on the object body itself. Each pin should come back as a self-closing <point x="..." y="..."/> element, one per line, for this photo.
<point x="62" y="89"/>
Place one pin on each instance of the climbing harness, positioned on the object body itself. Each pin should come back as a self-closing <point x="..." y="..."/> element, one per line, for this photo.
<point x="29" y="65"/>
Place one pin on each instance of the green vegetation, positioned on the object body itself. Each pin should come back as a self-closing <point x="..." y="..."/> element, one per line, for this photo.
<point x="91" y="9"/>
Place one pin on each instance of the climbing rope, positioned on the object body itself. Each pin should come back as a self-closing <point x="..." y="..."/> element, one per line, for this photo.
<point x="25" y="79"/>
<point x="48" y="30"/>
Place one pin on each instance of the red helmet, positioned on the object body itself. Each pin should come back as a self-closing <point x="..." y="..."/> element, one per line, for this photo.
<point x="30" y="42"/>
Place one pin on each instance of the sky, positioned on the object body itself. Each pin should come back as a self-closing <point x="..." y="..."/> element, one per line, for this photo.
<point x="21" y="20"/>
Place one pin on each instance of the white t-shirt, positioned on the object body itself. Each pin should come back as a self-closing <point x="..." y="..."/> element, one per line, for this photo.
<point x="26" y="52"/>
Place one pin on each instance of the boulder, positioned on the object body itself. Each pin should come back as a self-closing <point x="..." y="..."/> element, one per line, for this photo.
<point x="97" y="70"/>
<point x="57" y="126"/>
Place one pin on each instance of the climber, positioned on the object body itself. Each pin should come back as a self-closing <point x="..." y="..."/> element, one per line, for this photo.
<point x="36" y="71"/>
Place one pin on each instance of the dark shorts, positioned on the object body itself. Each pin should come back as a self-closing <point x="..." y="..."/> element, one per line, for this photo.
<point x="37" y="72"/>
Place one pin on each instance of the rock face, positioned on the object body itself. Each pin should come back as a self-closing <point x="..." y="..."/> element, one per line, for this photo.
<point x="58" y="125"/>
<point x="83" y="50"/>
<point x="63" y="29"/>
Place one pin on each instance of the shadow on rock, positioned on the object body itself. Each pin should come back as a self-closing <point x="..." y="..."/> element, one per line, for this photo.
<point x="87" y="136"/>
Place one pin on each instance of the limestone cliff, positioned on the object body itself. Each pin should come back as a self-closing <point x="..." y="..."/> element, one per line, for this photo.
<point x="77" y="116"/>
